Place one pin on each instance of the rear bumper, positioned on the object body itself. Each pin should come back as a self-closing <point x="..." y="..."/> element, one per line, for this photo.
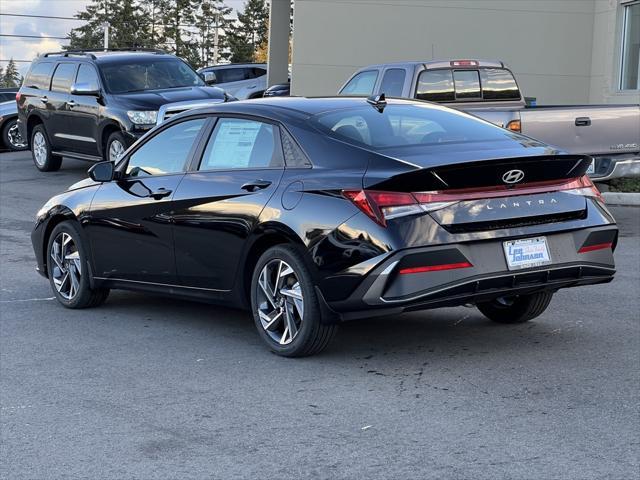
<point x="386" y="291"/>
<point x="607" y="168"/>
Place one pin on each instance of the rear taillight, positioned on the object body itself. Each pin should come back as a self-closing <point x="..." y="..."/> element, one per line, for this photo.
<point x="435" y="268"/>
<point x="18" y="96"/>
<point x="381" y="206"/>
<point x="597" y="246"/>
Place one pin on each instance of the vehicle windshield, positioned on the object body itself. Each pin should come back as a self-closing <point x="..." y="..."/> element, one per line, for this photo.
<point x="140" y="75"/>
<point x="406" y="124"/>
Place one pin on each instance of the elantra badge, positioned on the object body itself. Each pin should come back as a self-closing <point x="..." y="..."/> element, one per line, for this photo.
<point x="513" y="176"/>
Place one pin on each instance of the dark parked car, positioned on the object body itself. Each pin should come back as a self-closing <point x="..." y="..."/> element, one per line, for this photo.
<point x="92" y="105"/>
<point x="10" y="137"/>
<point x="278" y="90"/>
<point x="8" y="94"/>
<point x="314" y="211"/>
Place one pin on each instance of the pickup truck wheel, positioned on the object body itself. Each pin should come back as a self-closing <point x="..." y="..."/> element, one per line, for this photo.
<point x="11" y="136"/>
<point x="519" y="309"/>
<point x="116" y="145"/>
<point x="43" y="159"/>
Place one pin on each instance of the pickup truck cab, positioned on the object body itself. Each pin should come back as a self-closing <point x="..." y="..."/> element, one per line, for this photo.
<point x="92" y="105"/>
<point x="488" y="89"/>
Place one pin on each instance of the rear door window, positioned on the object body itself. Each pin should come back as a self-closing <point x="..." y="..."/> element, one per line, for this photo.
<point x="498" y="84"/>
<point x="361" y="84"/>
<point x="63" y="77"/>
<point x="87" y="75"/>
<point x="239" y="143"/>
<point x="39" y="76"/>
<point x="393" y="81"/>
<point x="436" y="86"/>
<point x="467" y="84"/>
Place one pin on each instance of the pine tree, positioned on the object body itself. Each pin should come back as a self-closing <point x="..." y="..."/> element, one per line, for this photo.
<point x="11" y="77"/>
<point x="128" y="25"/>
<point x="212" y="15"/>
<point x="250" y="32"/>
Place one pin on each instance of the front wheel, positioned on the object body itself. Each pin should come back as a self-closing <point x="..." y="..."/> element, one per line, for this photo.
<point x="68" y="269"/>
<point x="116" y="145"/>
<point x="285" y="305"/>
<point x="517" y="309"/>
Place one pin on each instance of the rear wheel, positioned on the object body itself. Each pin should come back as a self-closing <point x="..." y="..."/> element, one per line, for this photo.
<point x="518" y="309"/>
<point x="285" y="305"/>
<point x="68" y="269"/>
<point x="11" y="136"/>
<point x="43" y="159"/>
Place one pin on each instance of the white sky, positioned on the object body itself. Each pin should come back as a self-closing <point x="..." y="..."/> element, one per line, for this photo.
<point x="28" y="48"/>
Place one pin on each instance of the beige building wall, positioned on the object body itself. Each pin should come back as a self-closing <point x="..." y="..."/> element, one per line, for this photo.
<point x="549" y="44"/>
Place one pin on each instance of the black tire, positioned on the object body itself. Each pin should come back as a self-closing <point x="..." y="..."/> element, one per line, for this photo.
<point x="518" y="309"/>
<point x="85" y="296"/>
<point x="313" y="335"/>
<point x="114" y="137"/>
<point x="43" y="159"/>
<point x="8" y="136"/>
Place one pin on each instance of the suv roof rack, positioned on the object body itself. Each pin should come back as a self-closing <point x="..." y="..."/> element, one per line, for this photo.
<point x="67" y="53"/>
<point x="91" y="51"/>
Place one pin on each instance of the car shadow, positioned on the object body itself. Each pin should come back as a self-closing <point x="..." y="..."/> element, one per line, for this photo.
<point x="445" y="332"/>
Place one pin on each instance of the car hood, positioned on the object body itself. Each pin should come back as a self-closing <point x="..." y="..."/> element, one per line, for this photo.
<point x="154" y="99"/>
<point x="87" y="182"/>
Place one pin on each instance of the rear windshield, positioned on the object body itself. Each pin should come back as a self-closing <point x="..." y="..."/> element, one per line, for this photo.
<point x="405" y="124"/>
<point x="447" y="85"/>
<point x="139" y="75"/>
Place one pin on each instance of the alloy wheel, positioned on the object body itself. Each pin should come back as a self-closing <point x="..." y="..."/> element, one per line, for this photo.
<point x="280" y="301"/>
<point x="14" y="137"/>
<point x="39" y="149"/>
<point x="67" y="268"/>
<point x="116" y="149"/>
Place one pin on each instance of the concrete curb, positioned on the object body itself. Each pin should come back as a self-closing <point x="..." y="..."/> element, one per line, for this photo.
<point x="620" y="198"/>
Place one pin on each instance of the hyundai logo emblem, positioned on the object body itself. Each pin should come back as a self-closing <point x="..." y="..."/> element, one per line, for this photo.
<point x="513" y="176"/>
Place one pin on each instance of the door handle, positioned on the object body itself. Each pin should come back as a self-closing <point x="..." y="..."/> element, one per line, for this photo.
<point x="256" y="185"/>
<point x="71" y="103"/>
<point x="44" y="99"/>
<point x="583" y="122"/>
<point x="160" y="193"/>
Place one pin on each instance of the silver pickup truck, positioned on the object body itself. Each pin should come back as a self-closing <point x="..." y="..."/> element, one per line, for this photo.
<point x="609" y="133"/>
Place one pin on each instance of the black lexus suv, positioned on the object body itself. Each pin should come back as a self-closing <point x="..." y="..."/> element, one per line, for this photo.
<point x="92" y="105"/>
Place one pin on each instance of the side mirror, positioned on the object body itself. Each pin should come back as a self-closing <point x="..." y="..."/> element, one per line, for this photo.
<point x="102" y="172"/>
<point x="85" y="89"/>
<point x="210" y="78"/>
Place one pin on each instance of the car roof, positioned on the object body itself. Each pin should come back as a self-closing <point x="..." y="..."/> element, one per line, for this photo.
<point x="232" y="65"/>
<point x="439" y="64"/>
<point x="283" y="108"/>
<point x="110" y="56"/>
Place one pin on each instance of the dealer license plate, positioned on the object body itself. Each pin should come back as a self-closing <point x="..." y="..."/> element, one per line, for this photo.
<point x="526" y="253"/>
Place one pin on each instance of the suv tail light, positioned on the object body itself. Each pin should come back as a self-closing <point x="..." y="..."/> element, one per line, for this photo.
<point x="18" y="96"/>
<point x="382" y="206"/>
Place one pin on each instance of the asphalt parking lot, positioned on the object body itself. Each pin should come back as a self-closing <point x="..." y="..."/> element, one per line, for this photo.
<point x="147" y="387"/>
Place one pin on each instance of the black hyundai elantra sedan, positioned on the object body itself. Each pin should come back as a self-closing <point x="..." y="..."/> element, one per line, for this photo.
<point x="310" y="212"/>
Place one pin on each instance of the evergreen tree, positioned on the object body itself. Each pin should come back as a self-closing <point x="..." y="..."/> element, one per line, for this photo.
<point x="128" y="26"/>
<point x="11" y="77"/>
<point x="250" y="32"/>
<point x="213" y="14"/>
